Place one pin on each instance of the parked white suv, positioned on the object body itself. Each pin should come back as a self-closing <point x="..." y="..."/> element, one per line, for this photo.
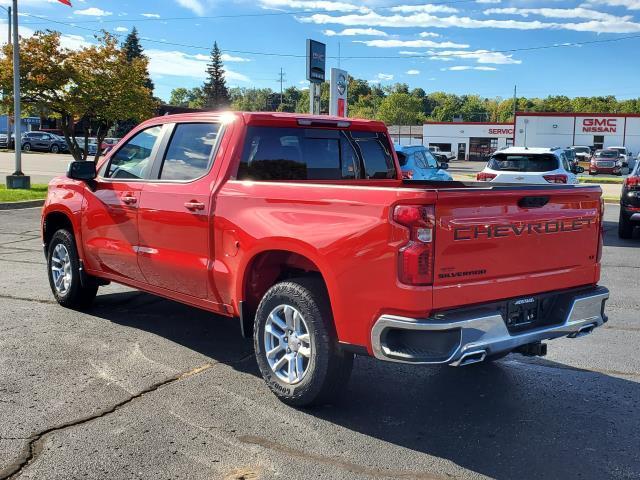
<point x="529" y="165"/>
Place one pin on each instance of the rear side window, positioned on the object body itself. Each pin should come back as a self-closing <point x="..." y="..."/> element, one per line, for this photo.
<point x="189" y="154"/>
<point x="376" y="154"/>
<point x="402" y="159"/>
<point x="133" y="159"/>
<point x="523" y="163"/>
<point x="273" y="153"/>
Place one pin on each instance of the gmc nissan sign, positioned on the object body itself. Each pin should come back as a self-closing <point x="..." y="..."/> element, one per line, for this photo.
<point x="599" y="125"/>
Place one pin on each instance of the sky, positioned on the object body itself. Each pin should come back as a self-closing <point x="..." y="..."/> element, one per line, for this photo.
<point x="485" y="47"/>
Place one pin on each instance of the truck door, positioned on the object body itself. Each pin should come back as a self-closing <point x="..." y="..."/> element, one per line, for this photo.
<point x="110" y="217"/>
<point x="176" y="211"/>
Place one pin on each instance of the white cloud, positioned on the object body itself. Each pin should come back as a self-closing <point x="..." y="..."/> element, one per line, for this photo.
<point x="460" y="68"/>
<point x="72" y="42"/>
<point x="413" y="72"/>
<point x="441" y="59"/>
<point x="384" y="76"/>
<point x="151" y="15"/>
<point x="488" y="1"/>
<point x="349" y="32"/>
<point x="195" y="6"/>
<point x="425" y="20"/>
<point x="410" y="44"/>
<point x="121" y="29"/>
<point x="427" y="8"/>
<point x="230" y="58"/>
<point x="628" y="4"/>
<point x="481" y="56"/>
<point x="563" y="13"/>
<point x="93" y="12"/>
<point x="328" y="5"/>
<point x="428" y="35"/>
<point x="176" y="63"/>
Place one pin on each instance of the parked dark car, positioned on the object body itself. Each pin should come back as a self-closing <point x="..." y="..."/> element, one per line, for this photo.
<point x="43" y="141"/>
<point x="630" y="204"/>
<point x="4" y="141"/>
<point x="607" y="161"/>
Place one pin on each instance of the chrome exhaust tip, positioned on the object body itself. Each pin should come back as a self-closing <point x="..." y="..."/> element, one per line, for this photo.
<point x="468" y="358"/>
<point x="586" y="330"/>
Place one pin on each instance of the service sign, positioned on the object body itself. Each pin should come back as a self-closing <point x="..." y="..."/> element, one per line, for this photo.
<point x="338" y="92"/>
<point x="316" y="58"/>
<point x="599" y="125"/>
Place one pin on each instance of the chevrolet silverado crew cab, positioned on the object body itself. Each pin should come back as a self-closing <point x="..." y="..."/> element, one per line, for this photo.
<point x="302" y="229"/>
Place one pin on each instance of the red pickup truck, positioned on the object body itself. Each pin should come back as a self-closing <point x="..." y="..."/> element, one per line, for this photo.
<point x="302" y="229"/>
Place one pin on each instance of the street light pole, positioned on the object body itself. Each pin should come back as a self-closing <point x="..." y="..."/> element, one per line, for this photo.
<point x="18" y="179"/>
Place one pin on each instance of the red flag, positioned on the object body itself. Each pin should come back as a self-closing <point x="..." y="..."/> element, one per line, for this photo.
<point x="66" y="2"/>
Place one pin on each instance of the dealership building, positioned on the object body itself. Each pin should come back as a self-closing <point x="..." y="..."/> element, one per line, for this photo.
<point x="468" y="140"/>
<point x="599" y="130"/>
<point x="478" y="140"/>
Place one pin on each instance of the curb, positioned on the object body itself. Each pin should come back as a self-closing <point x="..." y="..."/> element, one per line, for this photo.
<point x="22" y="204"/>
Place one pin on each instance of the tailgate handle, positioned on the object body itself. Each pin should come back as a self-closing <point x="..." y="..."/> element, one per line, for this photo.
<point x="533" y="202"/>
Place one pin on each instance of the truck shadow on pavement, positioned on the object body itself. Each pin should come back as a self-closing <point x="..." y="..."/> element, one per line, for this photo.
<point x="611" y="238"/>
<point x="516" y="418"/>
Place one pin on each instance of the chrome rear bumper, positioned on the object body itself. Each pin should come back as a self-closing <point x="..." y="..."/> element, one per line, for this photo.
<point x="468" y="336"/>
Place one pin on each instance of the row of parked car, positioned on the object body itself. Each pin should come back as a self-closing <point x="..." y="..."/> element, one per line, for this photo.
<point x="51" y="142"/>
<point x="610" y="160"/>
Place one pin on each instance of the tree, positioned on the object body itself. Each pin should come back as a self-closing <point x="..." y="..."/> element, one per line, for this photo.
<point x="92" y="87"/>
<point x="187" y="97"/>
<point x="132" y="50"/>
<point x="401" y="109"/>
<point x="215" y="88"/>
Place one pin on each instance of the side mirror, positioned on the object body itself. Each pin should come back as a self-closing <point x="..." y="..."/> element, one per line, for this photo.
<point x="85" y="171"/>
<point x="444" y="166"/>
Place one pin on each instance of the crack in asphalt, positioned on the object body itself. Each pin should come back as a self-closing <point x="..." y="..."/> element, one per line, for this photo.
<point x="27" y="299"/>
<point x="21" y="261"/>
<point x="35" y="446"/>
<point x="342" y="464"/>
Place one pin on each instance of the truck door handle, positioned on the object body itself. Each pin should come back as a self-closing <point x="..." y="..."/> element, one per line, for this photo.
<point x="194" y="206"/>
<point x="129" y="199"/>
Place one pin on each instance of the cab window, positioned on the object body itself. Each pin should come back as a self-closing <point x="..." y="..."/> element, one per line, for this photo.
<point x="189" y="155"/>
<point x="133" y="160"/>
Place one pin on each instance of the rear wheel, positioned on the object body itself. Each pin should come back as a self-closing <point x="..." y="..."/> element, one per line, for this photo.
<point x="63" y="266"/>
<point x="296" y="346"/>
<point x="55" y="148"/>
<point x="625" y="226"/>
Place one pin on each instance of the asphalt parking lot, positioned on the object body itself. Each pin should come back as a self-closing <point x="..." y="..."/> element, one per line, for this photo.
<point x="141" y="387"/>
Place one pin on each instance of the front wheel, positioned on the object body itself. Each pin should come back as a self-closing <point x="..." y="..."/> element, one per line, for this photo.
<point x="55" y="149"/>
<point x="295" y="344"/>
<point x="26" y="147"/>
<point x="63" y="266"/>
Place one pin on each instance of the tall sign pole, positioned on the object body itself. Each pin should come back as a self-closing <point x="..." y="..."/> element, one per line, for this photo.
<point x="338" y="92"/>
<point x="18" y="179"/>
<point x="316" y="58"/>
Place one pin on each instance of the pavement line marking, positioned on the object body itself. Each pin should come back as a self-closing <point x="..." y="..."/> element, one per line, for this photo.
<point x="36" y="442"/>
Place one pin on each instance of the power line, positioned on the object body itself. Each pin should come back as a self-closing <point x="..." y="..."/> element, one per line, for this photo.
<point x="460" y="54"/>
<point x="243" y="15"/>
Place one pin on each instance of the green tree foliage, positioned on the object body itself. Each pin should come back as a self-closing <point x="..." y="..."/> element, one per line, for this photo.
<point x="93" y="87"/>
<point x="401" y="109"/>
<point x="187" y="97"/>
<point x="132" y="50"/>
<point x="215" y="88"/>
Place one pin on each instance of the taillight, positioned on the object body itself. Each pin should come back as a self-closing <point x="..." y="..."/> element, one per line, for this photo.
<point x="560" y="178"/>
<point x="485" y="177"/>
<point x="601" y="232"/>
<point x="407" y="174"/>
<point x="415" y="258"/>
<point x="632" y="182"/>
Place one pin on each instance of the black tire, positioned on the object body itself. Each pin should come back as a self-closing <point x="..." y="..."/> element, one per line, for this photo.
<point x="77" y="295"/>
<point x="55" y="148"/>
<point x="329" y="367"/>
<point x="625" y="226"/>
<point x="26" y="147"/>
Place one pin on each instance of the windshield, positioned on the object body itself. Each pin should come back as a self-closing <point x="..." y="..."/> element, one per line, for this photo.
<point x="425" y="159"/>
<point x="607" y="154"/>
<point x="620" y="150"/>
<point x="571" y="155"/>
<point x="523" y="163"/>
<point x="582" y="149"/>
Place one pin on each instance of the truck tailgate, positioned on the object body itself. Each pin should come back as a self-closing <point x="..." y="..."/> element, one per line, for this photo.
<point x="510" y="241"/>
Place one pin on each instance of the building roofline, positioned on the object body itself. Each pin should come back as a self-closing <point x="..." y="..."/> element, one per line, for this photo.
<point x="428" y="122"/>
<point x="576" y="114"/>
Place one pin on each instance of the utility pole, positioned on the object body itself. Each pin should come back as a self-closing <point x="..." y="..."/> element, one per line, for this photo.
<point x="9" y="26"/>
<point x="281" y="80"/>
<point x="18" y="179"/>
<point x="515" y="101"/>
